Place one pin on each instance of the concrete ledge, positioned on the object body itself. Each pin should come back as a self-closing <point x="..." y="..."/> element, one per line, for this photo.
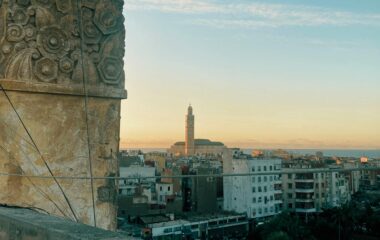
<point x="25" y="224"/>
<point x="72" y="89"/>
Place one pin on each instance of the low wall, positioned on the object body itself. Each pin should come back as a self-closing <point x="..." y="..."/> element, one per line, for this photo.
<point x="25" y="224"/>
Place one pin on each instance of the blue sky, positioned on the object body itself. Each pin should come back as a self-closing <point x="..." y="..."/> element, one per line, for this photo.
<point x="297" y="74"/>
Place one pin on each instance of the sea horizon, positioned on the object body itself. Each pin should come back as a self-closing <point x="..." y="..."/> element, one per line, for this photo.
<point x="357" y="153"/>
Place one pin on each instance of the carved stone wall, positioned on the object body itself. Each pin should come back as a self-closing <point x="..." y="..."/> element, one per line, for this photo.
<point x="62" y="41"/>
<point x="61" y="67"/>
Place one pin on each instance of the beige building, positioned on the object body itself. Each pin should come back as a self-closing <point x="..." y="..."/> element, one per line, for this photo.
<point x="310" y="192"/>
<point x="192" y="146"/>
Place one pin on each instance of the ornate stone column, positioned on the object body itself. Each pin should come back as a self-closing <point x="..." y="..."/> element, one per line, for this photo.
<point x="62" y="81"/>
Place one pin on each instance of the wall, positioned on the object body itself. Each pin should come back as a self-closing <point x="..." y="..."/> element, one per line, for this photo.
<point x="61" y="82"/>
<point x="25" y="224"/>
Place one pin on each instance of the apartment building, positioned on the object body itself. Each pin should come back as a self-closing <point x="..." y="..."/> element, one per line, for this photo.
<point x="258" y="196"/>
<point x="312" y="191"/>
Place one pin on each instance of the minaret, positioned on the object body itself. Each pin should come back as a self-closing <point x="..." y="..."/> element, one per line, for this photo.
<point x="189" y="141"/>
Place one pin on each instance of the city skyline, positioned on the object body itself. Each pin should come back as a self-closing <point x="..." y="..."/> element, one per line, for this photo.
<point x="273" y="74"/>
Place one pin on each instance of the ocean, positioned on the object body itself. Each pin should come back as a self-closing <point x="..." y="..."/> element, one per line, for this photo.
<point x="357" y="153"/>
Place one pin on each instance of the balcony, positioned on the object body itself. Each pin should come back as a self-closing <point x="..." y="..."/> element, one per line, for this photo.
<point x="305" y="200"/>
<point x="304" y="197"/>
<point x="304" y="187"/>
<point x="278" y="187"/>
<point x="304" y="180"/>
<point x="304" y="210"/>
<point x="304" y="177"/>
<point x="304" y="190"/>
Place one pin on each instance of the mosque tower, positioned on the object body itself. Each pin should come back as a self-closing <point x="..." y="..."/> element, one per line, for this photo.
<point x="189" y="141"/>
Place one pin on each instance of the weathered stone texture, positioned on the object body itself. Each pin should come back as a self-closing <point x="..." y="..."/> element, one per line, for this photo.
<point x="25" y="224"/>
<point x="58" y="127"/>
<point x="55" y="54"/>
<point x="62" y="41"/>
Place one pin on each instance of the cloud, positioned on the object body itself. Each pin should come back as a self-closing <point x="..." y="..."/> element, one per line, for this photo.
<point x="254" y="15"/>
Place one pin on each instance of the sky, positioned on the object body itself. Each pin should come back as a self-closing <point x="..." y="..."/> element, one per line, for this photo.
<point x="259" y="74"/>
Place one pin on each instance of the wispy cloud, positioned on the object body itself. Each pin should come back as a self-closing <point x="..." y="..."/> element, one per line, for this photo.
<point x="254" y="15"/>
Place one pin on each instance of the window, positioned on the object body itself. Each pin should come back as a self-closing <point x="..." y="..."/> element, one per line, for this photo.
<point x="317" y="195"/>
<point x="323" y="185"/>
<point x="323" y="194"/>
<point x="265" y="188"/>
<point x="253" y="169"/>
<point x="265" y="178"/>
<point x="290" y="205"/>
<point x="253" y="179"/>
<point x="316" y="185"/>
<point x="290" y="186"/>
<point x="271" y="197"/>
<point x="259" y="179"/>
<point x="254" y="200"/>
<point x="260" y="211"/>
<point x="177" y="229"/>
<point x="265" y="168"/>
<point x="160" y="188"/>
<point x="271" y="209"/>
<point x="290" y="195"/>
<point x="168" y="188"/>
<point x="253" y="189"/>
<point x="259" y="199"/>
<point x="259" y="168"/>
<point x="270" y="167"/>
<point x="260" y="189"/>
<point x="265" y="210"/>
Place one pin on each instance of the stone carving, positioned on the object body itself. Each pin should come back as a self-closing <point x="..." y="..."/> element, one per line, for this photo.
<point x="62" y="41"/>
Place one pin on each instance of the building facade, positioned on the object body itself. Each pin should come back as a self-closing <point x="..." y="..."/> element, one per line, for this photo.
<point x="313" y="191"/>
<point x="258" y="196"/>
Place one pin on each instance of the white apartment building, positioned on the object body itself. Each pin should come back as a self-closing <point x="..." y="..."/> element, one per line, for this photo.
<point x="128" y="186"/>
<point x="258" y="196"/>
<point x="164" y="191"/>
<point x="339" y="191"/>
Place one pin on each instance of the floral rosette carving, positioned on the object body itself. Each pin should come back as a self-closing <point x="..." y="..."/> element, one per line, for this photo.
<point x="110" y="69"/>
<point x="53" y="42"/>
<point x="46" y="69"/>
<point x="20" y="16"/>
<point x="107" y="17"/>
<point x="50" y="40"/>
<point x="15" y="33"/>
